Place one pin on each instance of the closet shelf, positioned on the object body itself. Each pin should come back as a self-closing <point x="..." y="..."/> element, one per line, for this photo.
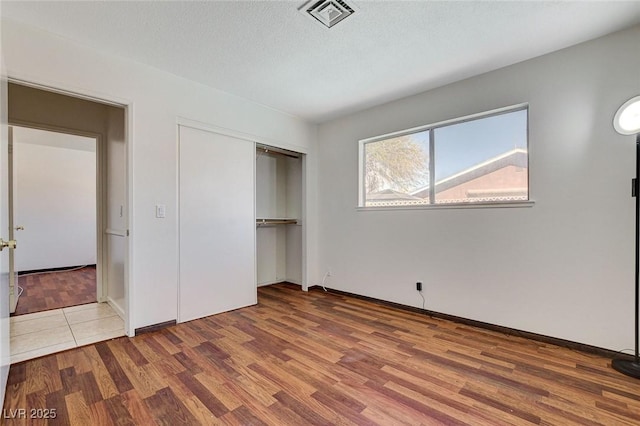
<point x="275" y="221"/>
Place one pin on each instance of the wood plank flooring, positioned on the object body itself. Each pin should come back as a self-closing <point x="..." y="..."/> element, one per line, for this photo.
<point x="55" y="290"/>
<point x="318" y="359"/>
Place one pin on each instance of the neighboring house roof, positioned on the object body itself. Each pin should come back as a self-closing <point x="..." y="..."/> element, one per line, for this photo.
<point x="389" y="195"/>
<point x="516" y="157"/>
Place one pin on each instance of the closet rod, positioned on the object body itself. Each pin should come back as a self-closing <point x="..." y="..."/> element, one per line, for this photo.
<point x="264" y="222"/>
<point x="264" y="149"/>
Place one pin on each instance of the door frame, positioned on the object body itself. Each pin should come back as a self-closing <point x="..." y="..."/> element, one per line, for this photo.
<point x="101" y="204"/>
<point x="128" y="106"/>
<point x="182" y="121"/>
<point x="13" y="285"/>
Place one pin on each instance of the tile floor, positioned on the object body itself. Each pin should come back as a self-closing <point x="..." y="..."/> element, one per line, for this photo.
<point x="47" y="332"/>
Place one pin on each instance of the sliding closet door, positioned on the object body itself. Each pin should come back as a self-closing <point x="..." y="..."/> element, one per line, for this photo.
<point x="217" y="224"/>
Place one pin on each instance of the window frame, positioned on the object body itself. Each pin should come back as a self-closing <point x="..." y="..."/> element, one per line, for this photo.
<point x="431" y="129"/>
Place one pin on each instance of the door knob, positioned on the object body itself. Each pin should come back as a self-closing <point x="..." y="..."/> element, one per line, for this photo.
<point x="19" y="228"/>
<point x="10" y="244"/>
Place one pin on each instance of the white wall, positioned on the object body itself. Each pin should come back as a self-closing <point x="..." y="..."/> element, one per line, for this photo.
<point x="157" y="100"/>
<point x="271" y="249"/>
<point x="271" y="186"/>
<point x="116" y="214"/>
<point x="279" y="195"/>
<point x="294" y="246"/>
<point x="55" y="201"/>
<point x="563" y="267"/>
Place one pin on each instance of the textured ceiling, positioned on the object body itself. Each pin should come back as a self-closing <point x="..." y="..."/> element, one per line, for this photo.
<point x="269" y="52"/>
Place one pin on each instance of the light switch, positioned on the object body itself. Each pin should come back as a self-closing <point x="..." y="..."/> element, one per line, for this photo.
<point x="161" y="211"/>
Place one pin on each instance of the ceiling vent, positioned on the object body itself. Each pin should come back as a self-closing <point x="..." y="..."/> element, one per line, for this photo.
<point x="328" y="12"/>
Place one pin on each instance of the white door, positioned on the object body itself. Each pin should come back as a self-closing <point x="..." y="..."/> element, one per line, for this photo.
<point x="217" y="223"/>
<point x="4" y="231"/>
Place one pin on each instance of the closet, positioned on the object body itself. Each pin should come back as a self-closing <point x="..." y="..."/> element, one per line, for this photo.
<point x="279" y="216"/>
<point x="217" y="234"/>
<point x="225" y="183"/>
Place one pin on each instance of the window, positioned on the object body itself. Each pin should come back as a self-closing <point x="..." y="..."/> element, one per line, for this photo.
<point x="472" y="160"/>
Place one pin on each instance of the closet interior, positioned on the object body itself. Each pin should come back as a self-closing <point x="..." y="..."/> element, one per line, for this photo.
<point x="279" y="216"/>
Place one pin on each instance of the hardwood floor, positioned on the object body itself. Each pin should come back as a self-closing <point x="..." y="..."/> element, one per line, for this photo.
<point x="56" y="290"/>
<point x="321" y="358"/>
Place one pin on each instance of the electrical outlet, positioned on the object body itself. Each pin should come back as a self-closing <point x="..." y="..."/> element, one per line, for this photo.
<point x="419" y="286"/>
<point x="329" y="271"/>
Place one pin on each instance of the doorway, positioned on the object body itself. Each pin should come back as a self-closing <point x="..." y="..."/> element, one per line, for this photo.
<point x="40" y="109"/>
<point x="52" y="205"/>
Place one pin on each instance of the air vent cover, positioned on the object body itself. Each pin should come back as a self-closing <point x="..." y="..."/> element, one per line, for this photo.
<point x="328" y="12"/>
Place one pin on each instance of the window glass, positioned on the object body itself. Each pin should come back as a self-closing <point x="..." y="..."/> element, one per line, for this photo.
<point x="395" y="168"/>
<point x="483" y="160"/>
<point x="478" y="160"/>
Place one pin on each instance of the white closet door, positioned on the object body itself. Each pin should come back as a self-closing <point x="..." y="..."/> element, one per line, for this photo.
<point x="217" y="224"/>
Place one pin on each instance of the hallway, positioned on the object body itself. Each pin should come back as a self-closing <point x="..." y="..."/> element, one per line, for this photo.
<point x="56" y="289"/>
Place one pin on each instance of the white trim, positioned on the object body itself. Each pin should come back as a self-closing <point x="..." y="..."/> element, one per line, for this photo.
<point x="129" y="291"/>
<point x="458" y="120"/>
<point x="116" y="232"/>
<point x="305" y="227"/>
<point x="55" y="129"/>
<point x="255" y="217"/>
<point x="177" y="221"/>
<point x="78" y="93"/>
<point x="255" y="230"/>
<point x="361" y="172"/>
<point x="510" y="204"/>
<point x="181" y="121"/>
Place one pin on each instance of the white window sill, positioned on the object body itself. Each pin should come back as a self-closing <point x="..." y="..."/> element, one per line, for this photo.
<point x="510" y="204"/>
